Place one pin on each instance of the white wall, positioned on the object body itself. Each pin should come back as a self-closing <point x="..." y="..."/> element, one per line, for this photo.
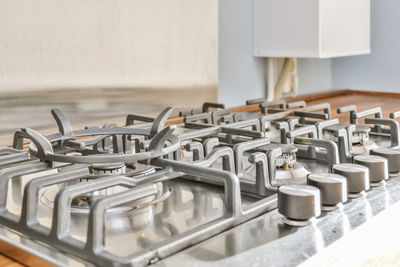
<point x="379" y="71"/>
<point x="55" y="44"/>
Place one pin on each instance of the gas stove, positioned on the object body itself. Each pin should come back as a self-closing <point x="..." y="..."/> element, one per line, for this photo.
<point x="222" y="188"/>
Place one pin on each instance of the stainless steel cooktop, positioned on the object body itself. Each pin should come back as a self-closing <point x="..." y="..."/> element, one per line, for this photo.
<point x="223" y="188"/>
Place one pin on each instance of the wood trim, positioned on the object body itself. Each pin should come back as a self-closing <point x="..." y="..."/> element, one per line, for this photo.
<point x="307" y="98"/>
<point x="319" y="96"/>
<point x="329" y="94"/>
<point x="176" y="120"/>
<point x="374" y="93"/>
<point x="7" y="262"/>
<point x="22" y="256"/>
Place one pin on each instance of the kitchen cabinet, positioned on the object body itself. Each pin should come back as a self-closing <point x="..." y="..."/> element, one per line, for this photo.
<point x="311" y="28"/>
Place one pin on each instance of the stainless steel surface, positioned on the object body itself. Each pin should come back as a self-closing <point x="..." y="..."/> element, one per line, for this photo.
<point x="357" y="176"/>
<point x="123" y="226"/>
<point x="333" y="187"/>
<point x="266" y="241"/>
<point x="222" y="188"/>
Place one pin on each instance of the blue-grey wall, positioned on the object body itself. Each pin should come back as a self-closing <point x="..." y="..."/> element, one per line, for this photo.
<point x="379" y="71"/>
<point x="242" y="76"/>
<point x="314" y="75"/>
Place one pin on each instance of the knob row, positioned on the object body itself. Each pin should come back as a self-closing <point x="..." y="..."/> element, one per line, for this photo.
<point x="299" y="204"/>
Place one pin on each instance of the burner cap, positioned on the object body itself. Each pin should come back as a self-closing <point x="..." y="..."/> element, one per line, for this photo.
<point x="362" y="129"/>
<point x="108" y="168"/>
<point x="286" y="148"/>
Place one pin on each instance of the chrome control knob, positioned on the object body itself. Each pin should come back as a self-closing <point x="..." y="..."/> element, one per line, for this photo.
<point x="377" y="165"/>
<point x="333" y="188"/>
<point x="299" y="204"/>
<point x="392" y="155"/>
<point x="357" y="177"/>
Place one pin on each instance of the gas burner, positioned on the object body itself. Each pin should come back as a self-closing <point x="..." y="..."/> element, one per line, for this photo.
<point x="363" y="147"/>
<point x="296" y="172"/>
<point x="102" y="170"/>
<point x="138" y="169"/>
<point x="90" y="145"/>
<point x="82" y="203"/>
<point x="288" y="158"/>
<point x="287" y="166"/>
<point x="108" y="168"/>
<point x="362" y="144"/>
<point x="361" y="134"/>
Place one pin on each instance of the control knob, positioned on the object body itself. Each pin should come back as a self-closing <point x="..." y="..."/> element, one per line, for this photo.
<point x="333" y="189"/>
<point x="392" y="155"/>
<point x="377" y="165"/>
<point x="298" y="204"/>
<point x="357" y="177"/>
